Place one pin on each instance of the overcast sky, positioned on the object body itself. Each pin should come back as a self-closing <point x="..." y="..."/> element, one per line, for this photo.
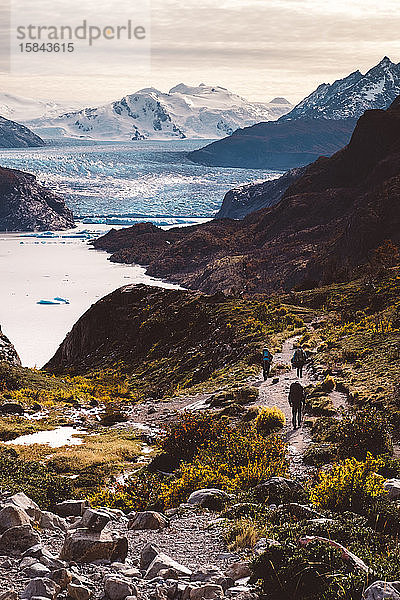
<point x="257" y="48"/>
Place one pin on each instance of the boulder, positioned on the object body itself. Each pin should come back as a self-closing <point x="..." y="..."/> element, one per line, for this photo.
<point x="392" y="486"/>
<point x="302" y="511"/>
<point x="277" y="490"/>
<point x="95" y="520"/>
<point x="206" y="591"/>
<point x="162" y="562"/>
<point x="354" y="561"/>
<point x="52" y="522"/>
<point x="11" y="516"/>
<point x="207" y="573"/>
<point x="381" y="590"/>
<point x="117" y="588"/>
<point x="147" y="520"/>
<point x="42" y="587"/>
<point x="36" y="570"/>
<point x="78" y="592"/>
<point x="22" y="501"/>
<point x="238" y="570"/>
<point x="71" y="508"/>
<point x="147" y="555"/>
<point x="11" y="408"/>
<point x="211" y="498"/>
<point x="18" y="539"/>
<point x="85" y="546"/>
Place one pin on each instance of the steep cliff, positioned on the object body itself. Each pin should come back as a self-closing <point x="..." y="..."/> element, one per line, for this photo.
<point x="7" y="351"/>
<point x="15" y="135"/>
<point x="25" y="205"/>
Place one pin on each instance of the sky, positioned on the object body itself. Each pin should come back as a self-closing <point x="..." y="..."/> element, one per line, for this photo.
<point x="256" y="48"/>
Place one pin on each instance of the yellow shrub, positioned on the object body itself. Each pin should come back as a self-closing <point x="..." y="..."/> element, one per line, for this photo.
<point x="349" y="485"/>
<point x="269" y="419"/>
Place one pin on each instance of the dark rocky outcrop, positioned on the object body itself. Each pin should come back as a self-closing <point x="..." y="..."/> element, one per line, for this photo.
<point x="15" y="135"/>
<point x="278" y="145"/>
<point x="246" y="199"/>
<point x="7" y="351"/>
<point x="325" y="226"/>
<point x="25" y="205"/>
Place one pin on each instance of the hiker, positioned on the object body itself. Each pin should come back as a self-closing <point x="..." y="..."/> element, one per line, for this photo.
<point x="299" y="359"/>
<point x="267" y="360"/>
<point x="296" y="400"/>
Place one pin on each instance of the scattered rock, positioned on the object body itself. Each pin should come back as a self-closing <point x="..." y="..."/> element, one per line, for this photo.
<point x="18" y="539"/>
<point x="147" y="520"/>
<point x="238" y="570"/>
<point x="278" y="489"/>
<point x="118" y="589"/>
<point x="11" y="516"/>
<point x="207" y="591"/>
<point x="301" y="511"/>
<point x="78" y="592"/>
<point x="36" y="570"/>
<point x="95" y="520"/>
<point x="71" y="508"/>
<point x="211" y="498"/>
<point x="22" y="501"/>
<point x="11" y="408"/>
<point x="147" y="555"/>
<point x="381" y="590"/>
<point x="62" y="577"/>
<point x="42" y="587"/>
<point x="161" y="562"/>
<point x="9" y="595"/>
<point x="53" y="522"/>
<point x="85" y="546"/>
<point x="392" y="486"/>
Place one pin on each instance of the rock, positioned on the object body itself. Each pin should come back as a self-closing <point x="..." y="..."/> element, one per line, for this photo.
<point x="207" y="573"/>
<point x="238" y="570"/>
<point x="22" y="501"/>
<point x="147" y="520"/>
<point x="41" y="587"/>
<point x="8" y="352"/>
<point x="95" y="520"/>
<point x="161" y="562"/>
<point x="207" y="591"/>
<point x="117" y="588"/>
<point x="18" y="539"/>
<point x="263" y="545"/>
<point x="11" y="516"/>
<point x="211" y="498"/>
<point x="168" y="574"/>
<point x="147" y="556"/>
<point x="277" y="490"/>
<point x="78" y="592"/>
<point x="85" y="546"/>
<point x="71" y="508"/>
<point x="53" y="522"/>
<point x="392" y="486"/>
<point x="381" y="590"/>
<point x="237" y="590"/>
<point x="9" y="595"/>
<point x="62" y="577"/>
<point x="353" y="560"/>
<point x="275" y="380"/>
<point x="38" y="554"/>
<point x="36" y="570"/>
<point x="11" y="408"/>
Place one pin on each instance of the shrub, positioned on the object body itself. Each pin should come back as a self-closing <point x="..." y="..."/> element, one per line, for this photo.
<point x="113" y="413"/>
<point x="367" y="431"/>
<point x="244" y="533"/>
<point x="35" y="480"/>
<point x="349" y="485"/>
<point x="269" y="420"/>
<point x="314" y="572"/>
<point x="237" y="460"/>
<point x="328" y="384"/>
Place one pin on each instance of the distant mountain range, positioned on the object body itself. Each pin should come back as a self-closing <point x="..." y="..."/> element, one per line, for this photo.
<point x="324" y="228"/>
<point x="350" y="97"/>
<point x="319" y="125"/>
<point x="184" y="112"/>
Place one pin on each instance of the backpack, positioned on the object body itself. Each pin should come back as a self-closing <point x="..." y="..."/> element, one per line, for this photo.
<point x="299" y="357"/>
<point x="267" y="356"/>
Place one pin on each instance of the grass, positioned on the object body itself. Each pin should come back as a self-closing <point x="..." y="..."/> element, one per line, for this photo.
<point x="13" y="427"/>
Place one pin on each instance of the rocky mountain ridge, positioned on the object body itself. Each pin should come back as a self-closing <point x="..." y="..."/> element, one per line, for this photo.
<point x="15" y="135"/>
<point x="326" y="224"/>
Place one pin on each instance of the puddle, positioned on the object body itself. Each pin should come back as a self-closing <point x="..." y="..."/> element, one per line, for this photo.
<point x="56" y="438"/>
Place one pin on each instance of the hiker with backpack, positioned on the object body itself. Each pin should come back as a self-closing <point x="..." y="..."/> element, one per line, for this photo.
<point x="297" y="400"/>
<point x="298" y="361"/>
<point x="267" y="360"/>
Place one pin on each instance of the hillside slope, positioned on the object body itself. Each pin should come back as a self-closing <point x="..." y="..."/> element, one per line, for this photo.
<point x="14" y="135"/>
<point x="324" y="227"/>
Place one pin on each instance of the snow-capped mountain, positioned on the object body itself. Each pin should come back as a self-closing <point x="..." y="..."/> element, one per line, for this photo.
<point x="184" y="112"/>
<point x="351" y="96"/>
<point x="21" y="109"/>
